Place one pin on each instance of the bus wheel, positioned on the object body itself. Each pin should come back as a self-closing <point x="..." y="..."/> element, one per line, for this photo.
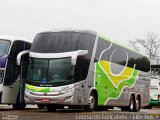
<point x="92" y="103"/>
<point x="41" y="106"/>
<point x="50" y="108"/>
<point x="137" y="104"/>
<point x="131" y="104"/>
<point x="19" y="106"/>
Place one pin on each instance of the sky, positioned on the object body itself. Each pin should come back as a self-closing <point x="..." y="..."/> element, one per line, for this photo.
<point x="122" y="20"/>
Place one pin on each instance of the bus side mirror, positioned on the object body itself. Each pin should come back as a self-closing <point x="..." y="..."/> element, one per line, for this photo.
<point x="76" y="54"/>
<point x="20" y="55"/>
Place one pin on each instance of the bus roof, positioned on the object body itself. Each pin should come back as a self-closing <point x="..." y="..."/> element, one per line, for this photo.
<point x="72" y="30"/>
<point x="12" y="38"/>
<point x="98" y="34"/>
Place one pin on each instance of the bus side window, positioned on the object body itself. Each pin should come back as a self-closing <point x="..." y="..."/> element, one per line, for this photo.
<point x="101" y="45"/>
<point x="82" y="67"/>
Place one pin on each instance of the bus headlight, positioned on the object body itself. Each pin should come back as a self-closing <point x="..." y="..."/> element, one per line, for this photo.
<point x="65" y="91"/>
<point x="28" y="91"/>
<point x="68" y="98"/>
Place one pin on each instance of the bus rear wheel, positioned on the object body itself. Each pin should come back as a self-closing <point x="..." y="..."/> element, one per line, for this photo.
<point x="137" y="104"/>
<point x="92" y="103"/>
<point x="131" y="104"/>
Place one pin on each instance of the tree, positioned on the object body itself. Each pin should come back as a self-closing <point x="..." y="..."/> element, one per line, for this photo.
<point x="149" y="46"/>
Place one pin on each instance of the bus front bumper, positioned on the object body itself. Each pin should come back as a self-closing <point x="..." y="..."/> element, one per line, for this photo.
<point x="44" y="98"/>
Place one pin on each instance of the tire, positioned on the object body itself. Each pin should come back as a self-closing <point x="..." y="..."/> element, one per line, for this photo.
<point x="92" y="103"/>
<point x="18" y="105"/>
<point x="50" y="108"/>
<point x="41" y="106"/>
<point x="131" y="107"/>
<point x="137" y="105"/>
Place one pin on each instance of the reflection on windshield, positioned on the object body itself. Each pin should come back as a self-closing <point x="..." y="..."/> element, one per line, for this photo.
<point x="52" y="71"/>
<point x="4" y="46"/>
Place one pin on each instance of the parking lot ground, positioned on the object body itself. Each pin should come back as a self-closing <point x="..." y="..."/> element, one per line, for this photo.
<point x="33" y="113"/>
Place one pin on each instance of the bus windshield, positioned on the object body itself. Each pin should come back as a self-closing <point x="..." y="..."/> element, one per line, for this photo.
<point x="4" y="46"/>
<point x="50" y="71"/>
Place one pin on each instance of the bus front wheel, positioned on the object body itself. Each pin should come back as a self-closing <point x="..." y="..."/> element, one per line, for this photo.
<point x="92" y="103"/>
<point x="41" y="106"/>
<point x="137" y="104"/>
<point x="51" y="108"/>
<point x="18" y="105"/>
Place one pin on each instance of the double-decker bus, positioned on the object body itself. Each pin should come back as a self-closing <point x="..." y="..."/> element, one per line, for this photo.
<point x="10" y="47"/>
<point x="83" y="68"/>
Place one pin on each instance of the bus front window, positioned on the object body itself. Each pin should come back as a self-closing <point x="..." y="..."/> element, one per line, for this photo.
<point x="51" y="71"/>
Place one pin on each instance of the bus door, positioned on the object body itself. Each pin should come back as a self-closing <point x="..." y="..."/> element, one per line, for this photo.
<point x="23" y="74"/>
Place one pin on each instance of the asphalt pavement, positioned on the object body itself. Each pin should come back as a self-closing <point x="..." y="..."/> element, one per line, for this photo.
<point x="33" y="113"/>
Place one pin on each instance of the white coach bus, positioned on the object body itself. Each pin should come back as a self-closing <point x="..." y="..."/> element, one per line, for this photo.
<point x="10" y="71"/>
<point x="84" y="68"/>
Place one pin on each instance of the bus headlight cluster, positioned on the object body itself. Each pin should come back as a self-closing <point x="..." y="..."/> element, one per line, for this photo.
<point x="28" y="91"/>
<point x="65" y="91"/>
<point x="68" y="98"/>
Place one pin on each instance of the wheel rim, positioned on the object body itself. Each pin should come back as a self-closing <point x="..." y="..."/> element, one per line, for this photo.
<point x="91" y="101"/>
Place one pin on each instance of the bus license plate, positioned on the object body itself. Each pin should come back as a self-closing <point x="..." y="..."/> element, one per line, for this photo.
<point x="45" y="100"/>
